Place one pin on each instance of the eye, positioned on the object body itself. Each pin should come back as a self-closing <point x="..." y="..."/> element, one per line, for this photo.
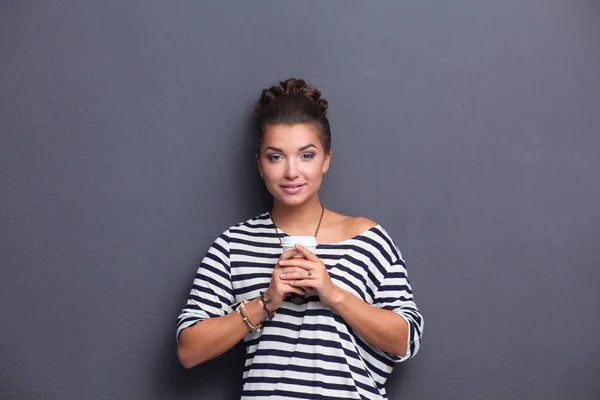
<point x="307" y="156"/>
<point x="274" y="157"/>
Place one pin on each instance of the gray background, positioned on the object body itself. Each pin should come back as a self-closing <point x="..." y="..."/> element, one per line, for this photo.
<point x="469" y="129"/>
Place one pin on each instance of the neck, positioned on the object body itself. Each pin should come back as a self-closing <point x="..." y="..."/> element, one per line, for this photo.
<point x="297" y="220"/>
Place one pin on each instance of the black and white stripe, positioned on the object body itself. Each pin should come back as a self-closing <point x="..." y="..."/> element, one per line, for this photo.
<point x="307" y="351"/>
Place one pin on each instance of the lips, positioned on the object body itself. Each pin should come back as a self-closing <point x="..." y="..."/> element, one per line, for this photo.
<point x="292" y="188"/>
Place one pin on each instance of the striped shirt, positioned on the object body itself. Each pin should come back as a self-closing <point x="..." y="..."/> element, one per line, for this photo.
<point x="307" y="351"/>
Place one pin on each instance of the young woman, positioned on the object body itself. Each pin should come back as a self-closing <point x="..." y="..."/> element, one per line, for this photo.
<point x="356" y="316"/>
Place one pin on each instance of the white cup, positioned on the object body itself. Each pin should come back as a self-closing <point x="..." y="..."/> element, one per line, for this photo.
<point x="288" y="243"/>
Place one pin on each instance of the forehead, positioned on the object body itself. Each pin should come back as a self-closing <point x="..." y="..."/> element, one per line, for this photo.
<point x="291" y="136"/>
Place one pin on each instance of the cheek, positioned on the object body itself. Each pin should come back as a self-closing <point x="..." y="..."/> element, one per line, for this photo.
<point x="317" y="166"/>
<point x="263" y="165"/>
<point x="314" y="171"/>
<point x="269" y="170"/>
<point x="272" y="173"/>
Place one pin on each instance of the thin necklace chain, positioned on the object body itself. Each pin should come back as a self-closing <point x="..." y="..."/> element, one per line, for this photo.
<point x="316" y="232"/>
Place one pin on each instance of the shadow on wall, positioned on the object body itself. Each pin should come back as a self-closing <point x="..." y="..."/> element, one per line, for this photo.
<point x="253" y="192"/>
<point x="220" y="378"/>
<point x="397" y="379"/>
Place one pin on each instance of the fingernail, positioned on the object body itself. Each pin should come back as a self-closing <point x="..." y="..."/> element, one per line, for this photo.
<point x="282" y="262"/>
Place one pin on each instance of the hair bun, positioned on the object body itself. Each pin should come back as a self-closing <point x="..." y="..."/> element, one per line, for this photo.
<point x="291" y="86"/>
<point x="292" y="102"/>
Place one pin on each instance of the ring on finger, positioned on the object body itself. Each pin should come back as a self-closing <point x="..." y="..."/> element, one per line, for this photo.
<point x="283" y="270"/>
<point x="309" y="273"/>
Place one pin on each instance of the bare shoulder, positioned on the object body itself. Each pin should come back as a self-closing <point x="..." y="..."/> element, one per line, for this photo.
<point x="346" y="227"/>
<point x="357" y="225"/>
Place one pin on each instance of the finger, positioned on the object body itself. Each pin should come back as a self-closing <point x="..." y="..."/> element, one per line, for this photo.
<point x="309" y="255"/>
<point x="296" y="290"/>
<point x="286" y="288"/>
<point x="290" y="276"/>
<point x="289" y="269"/>
<point x="299" y="262"/>
<point x="286" y="255"/>
<point x="287" y="282"/>
<point x="303" y="282"/>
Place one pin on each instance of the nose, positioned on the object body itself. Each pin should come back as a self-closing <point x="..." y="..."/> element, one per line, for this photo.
<point x="291" y="171"/>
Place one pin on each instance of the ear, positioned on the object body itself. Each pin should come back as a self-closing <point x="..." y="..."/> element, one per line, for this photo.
<point x="326" y="162"/>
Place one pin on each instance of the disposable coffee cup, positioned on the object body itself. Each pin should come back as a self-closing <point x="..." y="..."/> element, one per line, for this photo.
<point x="288" y="243"/>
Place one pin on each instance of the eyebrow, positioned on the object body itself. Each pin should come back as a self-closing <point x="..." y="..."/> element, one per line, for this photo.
<point x="300" y="149"/>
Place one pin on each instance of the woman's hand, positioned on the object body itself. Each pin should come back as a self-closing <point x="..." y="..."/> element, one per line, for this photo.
<point x="278" y="288"/>
<point x="309" y="272"/>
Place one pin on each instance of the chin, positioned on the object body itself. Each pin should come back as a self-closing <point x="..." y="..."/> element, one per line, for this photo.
<point x="292" y="200"/>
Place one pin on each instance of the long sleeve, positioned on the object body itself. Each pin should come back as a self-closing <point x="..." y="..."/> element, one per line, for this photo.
<point x="395" y="293"/>
<point x="212" y="291"/>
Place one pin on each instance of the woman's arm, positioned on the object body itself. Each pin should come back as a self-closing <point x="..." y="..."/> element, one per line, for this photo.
<point x="383" y="328"/>
<point x="214" y="336"/>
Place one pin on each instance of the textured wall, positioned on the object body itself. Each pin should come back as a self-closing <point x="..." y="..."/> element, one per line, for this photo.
<point x="469" y="129"/>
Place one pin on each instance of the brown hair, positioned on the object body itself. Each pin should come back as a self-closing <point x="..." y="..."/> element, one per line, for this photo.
<point x="292" y="102"/>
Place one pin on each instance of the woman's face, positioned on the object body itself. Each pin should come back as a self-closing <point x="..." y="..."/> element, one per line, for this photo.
<point x="292" y="161"/>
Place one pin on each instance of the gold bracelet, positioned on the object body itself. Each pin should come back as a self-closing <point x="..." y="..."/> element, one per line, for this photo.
<point x="242" y="311"/>
<point x="242" y="308"/>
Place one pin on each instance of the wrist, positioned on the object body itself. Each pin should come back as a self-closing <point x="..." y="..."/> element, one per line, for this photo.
<point x="255" y="311"/>
<point x="273" y="303"/>
<point x="338" y="297"/>
<point x="265" y="301"/>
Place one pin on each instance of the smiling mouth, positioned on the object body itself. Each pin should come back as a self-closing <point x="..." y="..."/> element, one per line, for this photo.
<point x="292" y="186"/>
<point x="292" y="189"/>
